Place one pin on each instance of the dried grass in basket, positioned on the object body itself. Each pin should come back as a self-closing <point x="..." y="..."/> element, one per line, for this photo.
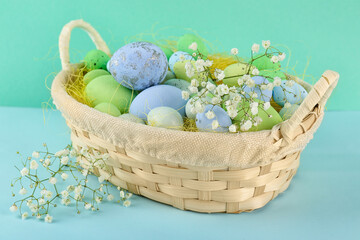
<point x="227" y="172"/>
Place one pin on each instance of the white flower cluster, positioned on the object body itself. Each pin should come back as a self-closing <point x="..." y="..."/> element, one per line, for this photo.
<point x="45" y="191"/>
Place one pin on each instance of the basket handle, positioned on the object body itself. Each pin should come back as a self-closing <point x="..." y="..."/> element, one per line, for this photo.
<point x="64" y="40"/>
<point x="319" y="94"/>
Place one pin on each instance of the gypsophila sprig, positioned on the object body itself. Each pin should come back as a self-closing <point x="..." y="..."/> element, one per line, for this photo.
<point x="47" y="179"/>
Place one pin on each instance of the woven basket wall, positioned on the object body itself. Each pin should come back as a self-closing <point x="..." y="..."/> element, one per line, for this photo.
<point x="199" y="188"/>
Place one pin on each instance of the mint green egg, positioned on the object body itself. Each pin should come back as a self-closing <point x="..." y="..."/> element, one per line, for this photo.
<point x="270" y="74"/>
<point x="168" y="52"/>
<point x="96" y="59"/>
<point x="131" y="118"/>
<point x="180" y="72"/>
<point x="169" y="75"/>
<point x="106" y="89"/>
<point x="286" y="113"/>
<point x="267" y="121"/>
<point x="179" y="83"/>
<point x="187" y="39"/>
<point x="264" y="62"/>
<point x="94" y="74"/>
<point x="165" y="117"/>
<point x="108" y="108"/>
<point x="234" y="72"/>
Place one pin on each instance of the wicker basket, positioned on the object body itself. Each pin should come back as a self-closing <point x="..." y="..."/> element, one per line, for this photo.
<point x="221" y="188"/>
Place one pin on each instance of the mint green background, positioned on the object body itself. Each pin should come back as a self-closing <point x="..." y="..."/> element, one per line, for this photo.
<point x="327" y="31"/>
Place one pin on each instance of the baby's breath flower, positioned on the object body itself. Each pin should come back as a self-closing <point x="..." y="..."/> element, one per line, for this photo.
<point x="250" y="82"/>
<point x="255" y="72"/>
<point x="42" y="201"/>
<point x="240" y="81"/>
<point x="282" y="56"/>
<point x="219" y="74"/>
<point x="275" y="59"/>
<point x="35" y="154"/>
<point x="189" y="69"/>
<point x="287" y="105"/>
<point x="127" y="203"/>
<point x="194" y="83"/>
<point x="290" y="83"/>
<point x="64" y="176"/>
<point x="48" y="194"/>
<point x="64" y="160"/>
<point x="87" y="206"/>
<point x="255" y="48"/>
<point x="98" y="199"/>
<point x="193" y="46"/>
<point x="257" y="120"/>
<point x="73" y="153"/>
<point x="270" y="86"/>
<point x="193" y="89"/>
<point x="46" y="162"/>
<point x="34" y="165"/>
<point x="24" y="172"/>
<point x="71" y="188"/>
<point x="122" y="194"/>
<point x="24" y="215"/>
<point x="222" y="89"/>
<point x="13" y="208"/>
<point x="203" y="84"/>
<point x="23" y="191"/>
<point x="234" y="51"/>
<point x="216" y="100"/>
<point x="128" y="195"/>
<point x="210" y="114"/>
<point x="208" y="63"/>
<point x="110" y="197"/>
<point x="48" y="218"/>
<point x="214" y="124"/>
<point x="101" y="179"/>
<point x="78" y="189"/>
<point x="210" y="86"/>
<point x="65" y="201"/>
<point x="246" y="126"/>
<point x="62" y="153"/>
<point x="52" y="180"/>
<point x="266" y="106"/>
<point x="266" y="44"/>
<point x="64" y="194"/>
<point x="232" y="128"/>
<point x="199" y="107"/>
<point x="85" y="172"/>
<point x="277" y="81"/>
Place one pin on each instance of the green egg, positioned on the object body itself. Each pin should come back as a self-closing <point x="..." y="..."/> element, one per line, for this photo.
<point x="234" y="72"/>
<point x="265" y="62"/>
<point x="179" y="83"/>
<point x="267" y="122"/>
<point x="167" y="51"/>
<point x="108" y="108"/>
<point x="270" y="74"/>
<point x="186" y="40"/>
<point x="106" y="89"/>
<point x="94" y="74"/>
<point x="96" y="59"/>
<point x="169" y="75"/>
<point x="180" y="72"/>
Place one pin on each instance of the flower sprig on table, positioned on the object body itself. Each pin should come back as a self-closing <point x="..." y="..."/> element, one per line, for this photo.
<point x="42" y="190"/>
<point x="232" y="99"/>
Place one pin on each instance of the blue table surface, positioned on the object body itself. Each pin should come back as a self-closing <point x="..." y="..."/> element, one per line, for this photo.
<point x="322" y="202"/>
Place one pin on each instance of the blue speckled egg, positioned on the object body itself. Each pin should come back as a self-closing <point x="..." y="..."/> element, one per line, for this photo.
<point x="176" y="58"/>
<point x="179" y="83"/>
<point x="286" y="113"/>
<point x="263" y="95"/>
<point x="157" y="96"/>
<point x="205" y="125"/>
<point x="138" y="65"/>
<point x="294" y="95"/>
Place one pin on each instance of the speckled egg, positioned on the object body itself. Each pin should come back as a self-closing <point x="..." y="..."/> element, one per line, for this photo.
<point x="294" y="95"/>
<point x="205" y="125"/>
<point x="265" y="62"/>
<point x="286" y="113"/>
<point x="96" y="59"/>
<point x="187" y="39"/>
<point x="180" y="72"/>
<point x="178" y="56"/>
<point x="165" y="117"/>
<point x="234" y="72"/>
<point x="106" y="89"/>
<point x="131" y="118"/>
<point x="138" y="65"/>
<point x="179" y="83"/>
<point x="157" y="96"/>
<point x="94" y="74"/>
<point x="108" y="108"/>
<point x="263" y="95"/>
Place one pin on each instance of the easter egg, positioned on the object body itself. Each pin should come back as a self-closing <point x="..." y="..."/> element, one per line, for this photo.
<point x="138" y="65"/>
<point x="205" y="125"/>
<point x="179" y="83"/>
<point x="271" y="74"/>
<point x="94" y="74"/>
<point x="157" y="96"/>
<point x="286" y="113"/>
<point x="294" y="95"/>
<point x="169" y="75"/>
<point x="106" y="89"/>
<point x="191" y="102"/>
<point x="178" y="57"/>
<point x="187" y="39"/>
<point x="165" y="117"/>
<point x="264" y="95"/>
<point x="264" y="62"/>
<point x="267" y="121"/>
<point x="234" y="72"/>
<point x="108" y="108"/>
<point x="167" y="51"/>
<point x="180" y="72"/>
<point x="131" y="118"/>
<point x="96" y="59"/>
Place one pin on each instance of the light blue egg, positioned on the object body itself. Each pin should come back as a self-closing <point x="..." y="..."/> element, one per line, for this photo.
<point x="138" y="65"/>
<point x="165" y="117"/>
<point x="205" y="125"/>
<point x="157" y="96"/>
<point x="176" y="58"/>
<point x="131" y="118"/>
<point x="263" y="95"/>
<point x="286" y="113"/>
<point x="179" y="83"/>
<point x="294" y="95"/>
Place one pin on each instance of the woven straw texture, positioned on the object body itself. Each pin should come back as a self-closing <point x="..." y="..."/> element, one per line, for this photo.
<point x="198" y="171"/>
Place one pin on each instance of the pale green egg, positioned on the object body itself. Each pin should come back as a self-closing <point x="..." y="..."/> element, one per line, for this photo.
<point x="286" y="113"/>
<point x="94" y="74"/>
<point x="179" y="83"/>
<point x="108" y="108"/>
<point x="165" y="117"/>
<point x="169" y="75"/>
<point x="180" y="72"/>
<point x="131" y="118"/>
<point x="234" y="72"/>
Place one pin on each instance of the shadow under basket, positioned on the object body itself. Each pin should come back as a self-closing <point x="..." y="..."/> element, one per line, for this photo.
<point x="210" y="187"/>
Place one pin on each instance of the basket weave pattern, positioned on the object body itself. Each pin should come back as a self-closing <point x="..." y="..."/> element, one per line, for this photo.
<point x="198" y="188"/>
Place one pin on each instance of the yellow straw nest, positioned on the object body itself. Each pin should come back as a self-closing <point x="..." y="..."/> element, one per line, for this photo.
<point x="75" y="87"/>
<point x="220" y="61"/>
